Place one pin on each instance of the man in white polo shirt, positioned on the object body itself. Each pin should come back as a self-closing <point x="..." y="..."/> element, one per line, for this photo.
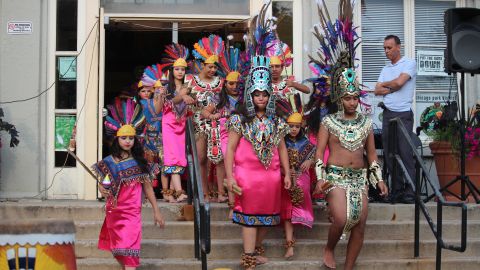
<point x="397" y="84"/>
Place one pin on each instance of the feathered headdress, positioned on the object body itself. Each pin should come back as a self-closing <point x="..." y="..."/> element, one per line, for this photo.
<point x="261" y="32"/>
<point x="125" y="119"/>
<point x="336" y="54"/>
<point x="175" y="55"/>
<point x="153" y="76"/>
<point x="231" y="65"/>
<point x="209" y="49"/>
<point x="291" y="109"/>
<point x="279" y="53"/>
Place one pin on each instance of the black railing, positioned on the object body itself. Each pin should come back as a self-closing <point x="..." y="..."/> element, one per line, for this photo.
<point x="195" y="194"/>
<point x="399" y="132"/>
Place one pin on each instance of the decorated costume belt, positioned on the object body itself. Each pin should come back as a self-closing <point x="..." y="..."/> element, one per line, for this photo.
<point x="354" y="182"/>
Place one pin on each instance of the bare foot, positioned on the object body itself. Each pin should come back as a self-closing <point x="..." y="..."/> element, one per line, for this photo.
<point x="182" y="198"/>
<point x="222" y="198"/>
<point x="261" y="260"/>
<point x="230" y="214"/>
<point x="170" y="199"/>
<point x="289" y="253"/>
<point x="329" y="259"/>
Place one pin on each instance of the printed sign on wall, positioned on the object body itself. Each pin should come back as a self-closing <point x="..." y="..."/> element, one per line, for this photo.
<point x="19" y="28"/>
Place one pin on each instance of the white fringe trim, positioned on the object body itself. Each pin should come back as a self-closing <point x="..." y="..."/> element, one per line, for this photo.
<point x="36" y="238"/>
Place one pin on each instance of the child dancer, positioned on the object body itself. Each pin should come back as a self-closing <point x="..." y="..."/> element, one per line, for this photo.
<point x="175" y="113"/>
<point x="126" y="176"/>
<point x="152" y="137"/>
<point x="256" y="149"/>
<point x="297" y="202"/>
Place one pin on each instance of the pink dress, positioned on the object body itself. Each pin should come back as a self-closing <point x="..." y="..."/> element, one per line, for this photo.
<point x="257" y="171"/>
<point x="173" y="127"/>
<point x="299" y="151"/>
<point x="121" y="232"/>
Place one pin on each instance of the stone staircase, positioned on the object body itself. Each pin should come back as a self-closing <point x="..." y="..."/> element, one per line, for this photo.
<point x="388" y="238"/>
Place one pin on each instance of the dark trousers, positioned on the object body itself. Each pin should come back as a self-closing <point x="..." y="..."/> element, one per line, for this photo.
<point x="406" y="154"/>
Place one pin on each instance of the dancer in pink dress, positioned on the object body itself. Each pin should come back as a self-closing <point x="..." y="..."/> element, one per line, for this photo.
<point x="256" y="152"/>
<point x="296" y="202"/>
<point x="175" y="112"/>
<point x="126" y="178"/>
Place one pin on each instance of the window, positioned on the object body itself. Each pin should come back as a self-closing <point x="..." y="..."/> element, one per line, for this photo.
<point x="67" y="25"/>
<point x="65" y="80"/>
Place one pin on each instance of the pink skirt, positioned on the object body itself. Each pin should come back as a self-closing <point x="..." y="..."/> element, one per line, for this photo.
<point x="259" y="204"/>
<point x="174" y="156"/>
<point x="121" y="232"/>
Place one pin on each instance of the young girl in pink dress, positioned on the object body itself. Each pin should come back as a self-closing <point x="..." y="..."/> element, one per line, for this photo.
<point x="175" y="113"/>
<point x="126" y="178"/>
<point x="297" y="202"/>
<point x="256" y="152"/>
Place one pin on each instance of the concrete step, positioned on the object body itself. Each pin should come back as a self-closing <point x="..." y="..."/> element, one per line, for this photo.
<point x="463" y="263"/>
<point x="383" y="230"/>
<point x="146" y="264"/>
<point x="304" y="249"/>
<point x="362" y="264"/>
<point x="93" y="210"/>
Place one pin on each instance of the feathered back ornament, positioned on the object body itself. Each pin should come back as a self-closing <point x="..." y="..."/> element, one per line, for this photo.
<point x="175" y="55"/>
<point x="153" y="76"/>
<point x="279" y="53"/>
<point x="336" y="54"/>
<point x="291" y="109"/>
<point x="231" y="65"/>
<point x="209" y="49"/>
<point x="261" y="32"/>
<point x="125" y="117"/>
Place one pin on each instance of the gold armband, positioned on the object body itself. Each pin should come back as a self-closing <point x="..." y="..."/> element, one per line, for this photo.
<point x="375" y="173"/>
<point x="320" y="170"/>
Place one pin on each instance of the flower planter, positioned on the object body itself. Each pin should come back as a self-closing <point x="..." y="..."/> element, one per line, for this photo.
<point x="448" y="168"/>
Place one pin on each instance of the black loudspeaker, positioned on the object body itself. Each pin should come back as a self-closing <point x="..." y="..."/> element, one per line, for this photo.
<point x="462" y="27"/>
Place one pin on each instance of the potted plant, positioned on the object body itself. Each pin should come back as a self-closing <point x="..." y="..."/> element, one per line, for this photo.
<point x="10" y="129"/>
<point x="444" y="130"/>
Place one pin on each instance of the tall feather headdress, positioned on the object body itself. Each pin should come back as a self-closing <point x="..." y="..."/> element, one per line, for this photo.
<point x="209" y="49"/>
<point x="153" y="76"/>
<point x="125" y="117"/>
<point x="336" y="55"/>
<point x="261" y="32"/>
<point x="175" y="55"/>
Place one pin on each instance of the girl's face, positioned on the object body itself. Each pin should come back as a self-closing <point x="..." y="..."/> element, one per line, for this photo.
<point x="145" y="93"/>
<point x="350" y="104"/>
<point x="126" y="142"/>
<point x="232" y="88"/>
<point x="260" y="99"/>
<point x="210" y="69"/>
<point x="178" y="73"/>
<point x="294" y="129"/>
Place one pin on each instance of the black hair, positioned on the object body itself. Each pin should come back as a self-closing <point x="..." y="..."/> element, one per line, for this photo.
<point x="223" y="97"/>
<point x="396" y="38"/>
<point x="171" y="87"/>
<point x="313" y="120"/>
<point x="137" y="153"/>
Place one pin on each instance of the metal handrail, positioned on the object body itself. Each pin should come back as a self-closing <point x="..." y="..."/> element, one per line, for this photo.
<point x="400" y="132"/>
<point x="195" y="194"/>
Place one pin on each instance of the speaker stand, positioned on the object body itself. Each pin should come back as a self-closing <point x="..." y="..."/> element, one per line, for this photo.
<point x="464" y="179"/>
